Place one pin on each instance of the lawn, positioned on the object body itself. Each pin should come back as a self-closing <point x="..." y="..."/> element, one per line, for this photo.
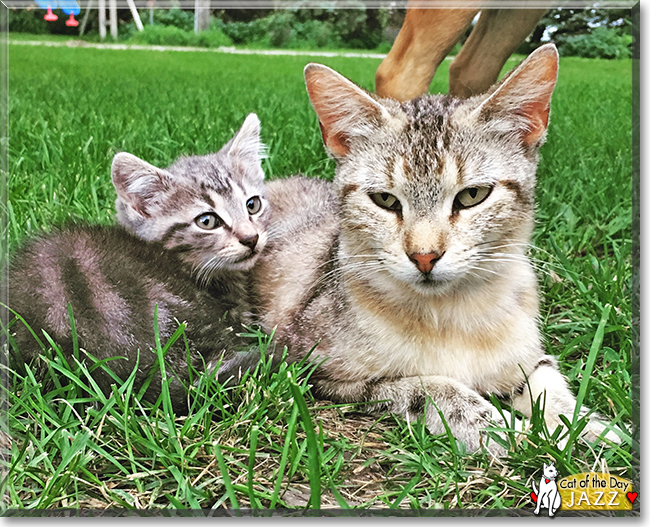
<point x="273" y="445"/>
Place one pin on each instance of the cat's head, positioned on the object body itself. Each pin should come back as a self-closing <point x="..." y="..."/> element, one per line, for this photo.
<point x="210" y="209"/>
<point x="436" y="193"/>
<point x="549" y="471"/>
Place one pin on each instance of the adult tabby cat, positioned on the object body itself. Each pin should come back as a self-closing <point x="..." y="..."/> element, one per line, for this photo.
<point x="203" y="218"/>
<point x="410" y="271"/>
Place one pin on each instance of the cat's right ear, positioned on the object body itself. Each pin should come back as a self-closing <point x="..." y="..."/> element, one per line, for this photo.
<point x="138" y="183"/>
<point x="345" y="111"/>
<point x="247" y="142"/>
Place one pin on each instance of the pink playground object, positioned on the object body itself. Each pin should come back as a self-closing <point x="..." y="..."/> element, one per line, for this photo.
<point x="50" y="17"/>
<point x="69" y="7"/>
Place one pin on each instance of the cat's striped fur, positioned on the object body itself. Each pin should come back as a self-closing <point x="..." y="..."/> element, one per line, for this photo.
<point x="113" y="282"/>
<point x="196" y="228"/>
<point x="413" y="276"/>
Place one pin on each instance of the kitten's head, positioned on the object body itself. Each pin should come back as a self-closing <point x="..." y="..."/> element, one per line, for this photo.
<point x="436" y="193"/>
<point x="210" y="209"/>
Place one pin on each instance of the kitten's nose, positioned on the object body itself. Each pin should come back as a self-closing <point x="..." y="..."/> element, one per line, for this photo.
<point x="250" y="241"/>
<point x="425" y="262"/>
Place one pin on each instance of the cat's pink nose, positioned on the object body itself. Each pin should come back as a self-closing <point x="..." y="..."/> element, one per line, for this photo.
<point x="425" y="262"/>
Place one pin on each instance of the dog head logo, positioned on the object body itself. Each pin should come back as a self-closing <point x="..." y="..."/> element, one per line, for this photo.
<point x="547" y="496"/>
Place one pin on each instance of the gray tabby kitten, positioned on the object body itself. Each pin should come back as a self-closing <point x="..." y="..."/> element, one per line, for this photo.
<point x="410" y="271"/>
<point x="205" y="217"/>
<point x="210" y="210"/>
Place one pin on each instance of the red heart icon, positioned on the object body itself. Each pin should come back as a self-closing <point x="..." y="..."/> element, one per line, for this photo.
<point x="534" y="496"/>
<point x="631" y="496"/>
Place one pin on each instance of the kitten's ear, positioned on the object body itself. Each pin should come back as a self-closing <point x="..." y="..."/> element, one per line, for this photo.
<point x="344" y="110"/>
<point x="138" y="183"/>
<point x="522" y="102"/>
<point x="246" y="142"/>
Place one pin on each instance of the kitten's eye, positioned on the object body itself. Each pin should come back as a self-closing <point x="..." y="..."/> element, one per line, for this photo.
<point x="471" y="196"/>
<point x="208" y="221"/>
<point x="386" y="201"/>
<point x="254" y="205"/>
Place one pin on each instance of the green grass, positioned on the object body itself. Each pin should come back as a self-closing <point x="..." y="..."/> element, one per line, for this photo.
<point x="135" y="39"/>
<point x="272" y="445"/>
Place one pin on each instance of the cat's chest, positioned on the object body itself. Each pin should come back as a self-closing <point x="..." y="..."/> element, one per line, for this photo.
<point x="483" y="352"/>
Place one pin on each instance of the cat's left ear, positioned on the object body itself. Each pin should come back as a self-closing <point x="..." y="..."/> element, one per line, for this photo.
<point x="521" y="104"/>
<point x="246" y="142"/>
<point x="345" y="111"/>
<point x="138" y="184"/>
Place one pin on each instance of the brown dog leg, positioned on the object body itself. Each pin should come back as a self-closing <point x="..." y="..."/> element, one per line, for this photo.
<point x="426" y="37"/>
<point x="496" y="35"/>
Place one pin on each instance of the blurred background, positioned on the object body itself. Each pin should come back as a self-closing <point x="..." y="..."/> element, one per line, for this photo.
<point x="591" y="32"/>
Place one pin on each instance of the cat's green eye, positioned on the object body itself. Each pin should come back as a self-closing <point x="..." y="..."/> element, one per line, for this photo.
<point x="386" y="201"/>
<point x="254" y="205"/>
<point x="208" y="221"/>
<point x="471" y="196"/>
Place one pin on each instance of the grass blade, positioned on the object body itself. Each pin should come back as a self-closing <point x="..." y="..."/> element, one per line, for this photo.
<point x="409" y="487"/>
<point x="230" y="491"/>
<point x="255" y="503"/>
<point x="289" y="438"/>
<point x="313" y="451"/>
<point x="591" y="360"/>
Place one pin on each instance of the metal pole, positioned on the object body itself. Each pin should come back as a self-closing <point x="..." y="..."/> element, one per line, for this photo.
<point x="136" y="16"/>
<point x="102" y="19"/>
<point x="112" y="6"/>
<point x="82" y="29"/>
<point x="201" y="15"/>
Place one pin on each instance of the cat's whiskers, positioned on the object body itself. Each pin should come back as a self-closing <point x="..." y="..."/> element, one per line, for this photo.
<point x="351" y="269"/>
<point x="342" y="260"/>
<point x="500" y="246"/>
<point x="537" y="263"/>
<point x="355" y="267"/>
<point x="532" y="247"/>
<point x="359" y="275"/>
<point x="506" y="256"/>
<point x="508" y="259"/>
<point x="473" y="268"/>
<point x="205" y="271"/>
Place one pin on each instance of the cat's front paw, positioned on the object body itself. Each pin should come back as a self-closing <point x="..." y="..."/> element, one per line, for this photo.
<point x="595" y="431"/>
<point x="467" y="419"/>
